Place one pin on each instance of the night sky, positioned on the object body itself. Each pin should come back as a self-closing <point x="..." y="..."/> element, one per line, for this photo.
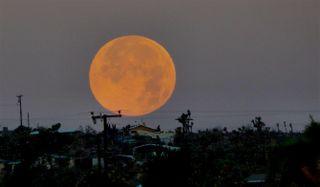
<point x="235" y="59"/>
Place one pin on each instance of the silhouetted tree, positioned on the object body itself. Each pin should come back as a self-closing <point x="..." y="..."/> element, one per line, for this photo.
<point x="257" y="123"/>
<point x="185" y="120"/>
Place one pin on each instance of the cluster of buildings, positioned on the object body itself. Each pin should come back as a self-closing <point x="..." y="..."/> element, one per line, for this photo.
<point x="154" y="140"/>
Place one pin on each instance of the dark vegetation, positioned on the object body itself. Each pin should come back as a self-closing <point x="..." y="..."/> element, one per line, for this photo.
<point x="207" y="158"/>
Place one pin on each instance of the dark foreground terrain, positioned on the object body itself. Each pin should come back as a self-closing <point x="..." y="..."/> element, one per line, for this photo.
<point x="253" y="155"/>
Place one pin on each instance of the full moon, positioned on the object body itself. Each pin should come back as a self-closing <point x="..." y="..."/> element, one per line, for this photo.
<point x="133" y="74"/>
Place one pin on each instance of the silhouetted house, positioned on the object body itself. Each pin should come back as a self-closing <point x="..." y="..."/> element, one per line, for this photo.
<point x="5" y="131"/>
<point x="143" y="130"/>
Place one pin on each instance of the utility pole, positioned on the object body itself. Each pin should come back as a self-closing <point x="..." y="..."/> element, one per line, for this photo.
<point x="104" y="119"/>
<point x="99" y="152"/>
<point x="20" y="103"/>
<point x="28" y="119"/>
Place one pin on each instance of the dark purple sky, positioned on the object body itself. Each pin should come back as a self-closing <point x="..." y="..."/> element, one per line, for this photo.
<point x="235" y="59"/>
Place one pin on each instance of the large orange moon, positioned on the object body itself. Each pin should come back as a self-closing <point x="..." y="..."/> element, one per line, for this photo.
<point x="133" y="74"/>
